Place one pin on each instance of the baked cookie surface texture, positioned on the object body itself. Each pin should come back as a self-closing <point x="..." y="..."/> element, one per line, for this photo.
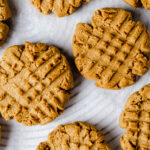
<point x="113" y="50"/>
<point x="76" y="136"/>
<point x="34" y="83"/>
<point x="139" y="3"/>
<point x="60" y="8"/>
<point x="136" y="120"/>
<point x="5" y="14"/>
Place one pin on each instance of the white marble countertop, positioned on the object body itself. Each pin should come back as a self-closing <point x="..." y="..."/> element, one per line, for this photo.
<point x="89" y="103"/>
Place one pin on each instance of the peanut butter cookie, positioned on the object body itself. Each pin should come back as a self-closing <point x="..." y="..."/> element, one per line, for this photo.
<point x="5" y="14"/>
<point x="139" y="3"/>
<point x="113" y="50"/>
<point x="34" y="83"/>
<point x="60" y="8"/>
<point x="76" y="136"/>
<point x="136" y="120"/>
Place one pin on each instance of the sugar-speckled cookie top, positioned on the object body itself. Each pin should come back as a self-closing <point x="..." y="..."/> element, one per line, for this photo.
<point x="76" y="136"/>
<point x="139" y="3"/>
<point x="60" y="8"/>
<point x="113" y="50"/>
<point x="5" y="14"/>
<point x="136" y="120"/>
<point x="34" y="83"/>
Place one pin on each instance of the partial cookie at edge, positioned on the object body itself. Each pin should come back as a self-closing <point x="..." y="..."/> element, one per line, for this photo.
<point x="138" y="3"/>
<point x="75" y="136"/>
<point x="136" y="120"/>
<point x="5" y="14"/>
<point x="60" y="8"/>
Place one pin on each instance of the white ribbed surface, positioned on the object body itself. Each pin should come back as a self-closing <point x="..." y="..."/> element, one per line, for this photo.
<point x="94" y="105"/>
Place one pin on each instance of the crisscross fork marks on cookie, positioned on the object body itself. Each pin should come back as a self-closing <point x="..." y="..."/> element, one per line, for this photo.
<point x="75" y="136"/>
<point x="37" y="79"/>
<point x="136" y="119"/>
<point x="135" y="140"/>
<point x="113" y="50"/>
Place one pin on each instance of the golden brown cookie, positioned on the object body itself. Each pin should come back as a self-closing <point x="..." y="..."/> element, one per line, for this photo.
<point x="113" y="50"/>
<point x="139" y="3"/>
<point x="76" y="136"/>
<point x="5" y="14"/>
<point x="60" y="8"/>
<point x="136" y="120"/>
<point x="35" y="80"/>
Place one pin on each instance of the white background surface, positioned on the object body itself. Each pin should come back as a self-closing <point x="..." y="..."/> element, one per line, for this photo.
<point x="89" y="103"/>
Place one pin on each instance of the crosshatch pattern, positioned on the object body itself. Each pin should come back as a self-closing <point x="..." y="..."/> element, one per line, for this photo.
<point x="34" y="83"/>
<point x="76" y="136"/>
<point x="136" y="119"/>
<point x="60" y="8"/>
<point x="96" y="106"/>
<point x="113" y="50"/>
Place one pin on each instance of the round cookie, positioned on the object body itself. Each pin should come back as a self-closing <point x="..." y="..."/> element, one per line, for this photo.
<point x="136" y="120"/>
<point x="139" y="3"/>
<point x="60" y="8"/>
<point x="5" y="14"/>
<point x="35" y="80"/>
<point x="113" y="50"/>
<point x="76" y="136"/>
